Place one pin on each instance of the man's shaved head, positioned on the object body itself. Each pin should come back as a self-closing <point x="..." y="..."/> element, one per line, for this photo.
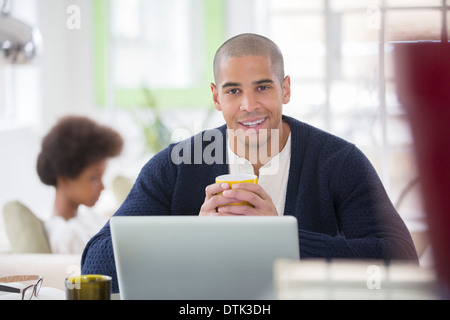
<point x="249" y="44"/>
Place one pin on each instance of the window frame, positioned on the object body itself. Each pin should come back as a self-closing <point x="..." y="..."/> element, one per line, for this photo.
<point x="380" y="153"/>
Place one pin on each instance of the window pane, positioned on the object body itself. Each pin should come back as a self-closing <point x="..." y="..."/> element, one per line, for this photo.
<point x="292" y="5"/>
<point x="129" y="68"/>
<point x="393" y="105"/>
<point x="360" y="27"/>
<point x="304" y="28"/>
<point x="301" y="41"/>
<point x="312" y="68"/>
<point x="413" y="3"/>
<point x="349" y="97"/>
<point x="306" y="94"/>
<point x="353" y="4"/>
<point x="405" y="193"/>
<point x="398" y="132"/>
<point x="389" y="62"/>
<point x="313" y="115"/>
<point x="359" y="47"/>
<point x="413" y="25"/>
<point x="307" y="102"/>
<point x="359" y="67"/>
<point x="358" y="128"/>
<point x="157" y="43"/>
<point x="126" y="18"/>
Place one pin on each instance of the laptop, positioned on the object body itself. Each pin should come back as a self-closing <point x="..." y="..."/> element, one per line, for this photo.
<point x="206" y="258"/>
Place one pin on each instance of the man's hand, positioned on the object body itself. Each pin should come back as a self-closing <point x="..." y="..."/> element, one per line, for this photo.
<point x="219" y="195"/>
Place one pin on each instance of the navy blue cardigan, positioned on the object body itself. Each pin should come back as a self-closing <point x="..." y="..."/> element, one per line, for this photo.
<point x="341" y="206"/>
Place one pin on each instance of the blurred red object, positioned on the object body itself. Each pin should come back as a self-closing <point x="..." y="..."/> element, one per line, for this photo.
<point x="423" y="87"/>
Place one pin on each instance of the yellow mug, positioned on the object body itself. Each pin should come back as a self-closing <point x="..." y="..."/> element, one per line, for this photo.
<point x="237" y="178"/>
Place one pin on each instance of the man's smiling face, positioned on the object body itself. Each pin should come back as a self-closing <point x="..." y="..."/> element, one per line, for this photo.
<point x="250" y="96"/>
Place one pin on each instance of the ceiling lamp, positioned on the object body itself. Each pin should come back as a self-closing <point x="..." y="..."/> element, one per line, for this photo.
<point x="19" y="42"/>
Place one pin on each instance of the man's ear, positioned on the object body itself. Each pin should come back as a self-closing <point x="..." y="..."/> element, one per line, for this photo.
<point x="215" y="94"/>
<point x="286" y="90"/>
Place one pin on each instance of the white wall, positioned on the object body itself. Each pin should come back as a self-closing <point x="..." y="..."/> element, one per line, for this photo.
<point x="59" y="82"/>
<point x="67" y="63"/>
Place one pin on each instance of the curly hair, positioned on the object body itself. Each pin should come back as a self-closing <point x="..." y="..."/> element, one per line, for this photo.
<point x="74" y="143"/>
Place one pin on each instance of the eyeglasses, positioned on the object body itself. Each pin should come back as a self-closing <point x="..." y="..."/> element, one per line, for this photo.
<point x="27" y="292"/>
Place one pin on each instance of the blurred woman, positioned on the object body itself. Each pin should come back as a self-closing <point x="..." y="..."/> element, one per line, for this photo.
<point x="73" y="159"/>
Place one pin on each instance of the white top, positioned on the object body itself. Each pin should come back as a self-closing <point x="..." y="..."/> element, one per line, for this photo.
<point x="273" y="177"/>
<point x="71" y="237"/>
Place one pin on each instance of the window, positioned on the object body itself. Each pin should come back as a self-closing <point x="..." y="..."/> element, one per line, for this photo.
<point x="339" y="56"/>
<point x="161" y="46"/>
<point x="154" y="51"/>
<point x="337" y="52"/>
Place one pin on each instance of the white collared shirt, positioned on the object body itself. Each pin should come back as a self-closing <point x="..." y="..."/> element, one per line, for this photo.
<point x="273" y="177"/>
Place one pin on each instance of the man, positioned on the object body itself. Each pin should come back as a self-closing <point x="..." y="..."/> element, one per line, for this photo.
<point x="331" y="188"/>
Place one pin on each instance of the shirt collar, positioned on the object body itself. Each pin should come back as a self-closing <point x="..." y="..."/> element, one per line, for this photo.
<point x="245" y="166"/>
